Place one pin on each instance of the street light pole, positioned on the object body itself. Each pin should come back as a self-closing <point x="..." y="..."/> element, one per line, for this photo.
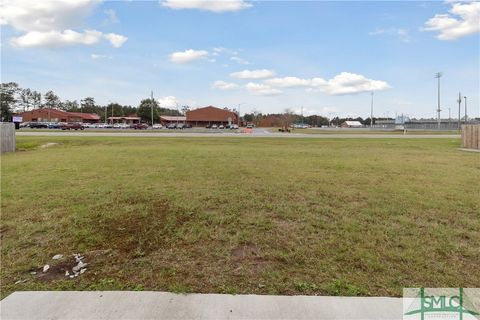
<point x="178" y="112"/>
<point x="466" y="115"/>
<point x="239" y="122"/>
<point x="438" y="75"/>
<point x="459" y="100"/>
<point x="151" y="107"/>
<point x="371" y="114"/>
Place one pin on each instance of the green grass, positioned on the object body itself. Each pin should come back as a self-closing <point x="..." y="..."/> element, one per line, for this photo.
<point x="231" y="215"/>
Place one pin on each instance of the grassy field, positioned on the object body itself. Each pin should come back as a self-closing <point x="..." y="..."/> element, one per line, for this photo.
<point x="266" y="216"/>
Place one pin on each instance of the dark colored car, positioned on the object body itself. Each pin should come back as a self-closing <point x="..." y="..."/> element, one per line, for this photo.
<point x="36" y="125"/>
<point x="172" y="126"/>
<point x="139" y="126"/>
<point x="54" y="125"/>
<point x="71" y="126"/>
<point x="188" y="126"/>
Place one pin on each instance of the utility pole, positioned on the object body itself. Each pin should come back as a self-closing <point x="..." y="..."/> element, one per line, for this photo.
<point x="449" y="114"/>
<point x="178" y="112"/>
<point x="151" y="106"/>
<point x="459" y="100"/>
<point x="371" y="114"/>
<point x="105" y="114"/>
<point x="466" y="115"/>
<point x="239" y="122"/>
<point x="438" y="75"/>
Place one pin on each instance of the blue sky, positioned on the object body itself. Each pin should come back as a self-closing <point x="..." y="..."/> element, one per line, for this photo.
<point x="326" y="57"/>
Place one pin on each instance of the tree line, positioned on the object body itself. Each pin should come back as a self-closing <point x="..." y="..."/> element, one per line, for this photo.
<point x="14" y="99"/>
<point x="288" y="118"/>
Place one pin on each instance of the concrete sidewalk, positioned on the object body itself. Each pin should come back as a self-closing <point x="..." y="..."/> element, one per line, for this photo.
<point x="162" y="305"/>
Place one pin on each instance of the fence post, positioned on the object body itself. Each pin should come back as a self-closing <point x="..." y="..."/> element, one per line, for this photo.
<point x="7" y="137"/>
<point x="471" y="136"/>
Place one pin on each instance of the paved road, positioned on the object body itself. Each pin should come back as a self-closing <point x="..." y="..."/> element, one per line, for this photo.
<point x="162" y="305"/>
<point x="258" y="133"/>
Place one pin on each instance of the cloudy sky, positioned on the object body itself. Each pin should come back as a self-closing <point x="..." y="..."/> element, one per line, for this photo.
<point x="324" y="57"/>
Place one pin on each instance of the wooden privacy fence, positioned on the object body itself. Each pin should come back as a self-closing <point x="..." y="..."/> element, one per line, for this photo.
<point x="471" y="136"/>
<point x="7" y="137"/>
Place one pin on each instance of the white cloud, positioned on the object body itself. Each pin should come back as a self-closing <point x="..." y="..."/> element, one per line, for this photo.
<point x="167" y="102"/>
<point x="54" y="39"/>
<point x="188" y="55"/>
<point x="239" y="60"/>
<point x="214" y="6"/>
<point x="222" y="85"/>
<point x="51" y="23"/>
<point x="401" y="34"/>
<point x="450" y="27"/>
<point x="95" y="56"/>
<point x="111" y="17"/>
<point x="260" y="89"/>
<point x="253" y="74"/>
<point x="343" y="83"/>
<point x="348" y="83"/>
<point x="288" y="82"/>
<point x="116" y="40"/>
<point x="34" y="15"/>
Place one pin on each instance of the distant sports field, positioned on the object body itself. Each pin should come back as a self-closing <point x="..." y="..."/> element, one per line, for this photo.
<point x="231" y="215"/>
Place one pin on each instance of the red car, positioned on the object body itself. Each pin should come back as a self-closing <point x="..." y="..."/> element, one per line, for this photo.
<point x="139" y="126"/>
<point x="71" y="126"/>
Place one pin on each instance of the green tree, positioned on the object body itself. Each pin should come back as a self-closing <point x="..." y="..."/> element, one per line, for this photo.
<point x="70" y="106"/>
<point x="144" y="111"/>
<point x="8" y="100"/>
<point x="88" y="105"/>
<point x="52" y="100"/>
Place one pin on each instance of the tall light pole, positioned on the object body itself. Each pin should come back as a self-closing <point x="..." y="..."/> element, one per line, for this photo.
<point x="151" y="106"/>
<point x="459" y="100"/>
<point x="438" y="75"/>
<point x="239" y="122"/>
<point x="466" y="115"/>
<point x="371" y="113"/>
<point x="178" y="112"/>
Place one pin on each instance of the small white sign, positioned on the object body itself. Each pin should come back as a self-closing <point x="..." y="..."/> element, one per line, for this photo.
<point x="17" y="119"/>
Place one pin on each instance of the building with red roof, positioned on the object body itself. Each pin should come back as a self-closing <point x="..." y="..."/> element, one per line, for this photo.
<point x="211" y="115"/>
<point x="55" y="115"/>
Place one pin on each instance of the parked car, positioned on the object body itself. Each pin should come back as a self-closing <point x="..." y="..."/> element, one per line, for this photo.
<point x="221" y="126"/>
<point x="249" y="126"/>
<point x="36" y="125"/>
<point x="139" y="126"/>
<point x="180" y="126"/>
<point x="157" y="126"/>
<point x="234" y="126"/>
<point x="71" y="126"/>
<point x="54" y="125"/>
<point x="214" y="126"/>
<point x="172" y="126"/>
<point x="209" y="126"/>
<point x="24" y="124"/>
<point x="188" y="125"/>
